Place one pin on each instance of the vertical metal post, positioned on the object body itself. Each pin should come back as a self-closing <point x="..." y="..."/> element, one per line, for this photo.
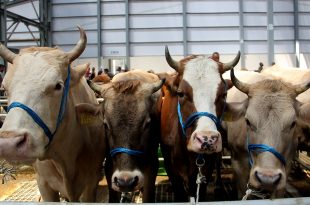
<point x="185" y="46"/>
<point x="296" y="33"/>
<point x="3" y="38"/>
<point x="45" y="19"/>
<point x="241" y="29"/>
<point x="127" y="33"/>
<point x="99" y="54"/>
<point x="270" y="31"/>
<point x="3" y="17"/>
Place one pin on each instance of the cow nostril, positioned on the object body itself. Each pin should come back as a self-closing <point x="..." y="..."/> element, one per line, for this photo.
<point x="115" y="180"/>
<point x="257" y="177"/>
<point x="277" y="179"/>
<point x="22" y="141"/>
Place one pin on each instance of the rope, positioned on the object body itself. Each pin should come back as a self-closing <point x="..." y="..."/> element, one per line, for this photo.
<point x="131" y="152"/>
<point x="200" y="177"/>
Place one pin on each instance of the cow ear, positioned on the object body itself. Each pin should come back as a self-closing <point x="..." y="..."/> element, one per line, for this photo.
<point x="78" y="72"/>
<point x="304" y="113"/>
<point x="89" y="114"/>
<point x="235" y="110"/>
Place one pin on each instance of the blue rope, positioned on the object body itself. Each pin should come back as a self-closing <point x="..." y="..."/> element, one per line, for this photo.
<point x="131" y="152"/>
<point x="196" y="115"/>
<point x="34" y="116"/>
<point x="263" y="148"/>
<point x="37" y="118"/>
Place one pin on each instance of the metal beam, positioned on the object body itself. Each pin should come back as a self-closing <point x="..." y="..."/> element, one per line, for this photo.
<point x="185" y="46"/>
<point x="20" y="18"/>
<point x="3" y="15"/>
<point x="45" y="19"/>
<point x="241" y="29"/>
<point x="99" y="33"/>
<point x="270" y="30"/>
<point x="127" y="34"/>
<point x="15" y="2"/>
<point x="296" y="33"/>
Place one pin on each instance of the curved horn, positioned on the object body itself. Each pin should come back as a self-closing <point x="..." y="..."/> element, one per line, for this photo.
<point x="150" y="88"/>
<point x="79" y="47"/>
<point x="302" y="88"/>
<point x="94" y="87"/>
<point x="232" y="64"/>
<point x="172" y="63"/>
<point x="243" y="87"/>
<point x="6" y="54"/>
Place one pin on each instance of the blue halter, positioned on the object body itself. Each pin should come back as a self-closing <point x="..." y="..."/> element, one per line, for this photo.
<point x="131" y="152"/>
<point x="263" y="148"/>
<point x="37" y="118"/>
<point x="196" y="115"/>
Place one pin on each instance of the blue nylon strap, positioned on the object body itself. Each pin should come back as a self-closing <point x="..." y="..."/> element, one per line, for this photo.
<point x="263" y="148"/>
<point x="37" y="118"/>
<point x="34" y="116"/>
<point x="131" y="152"/>
<point x="191" y="119"/>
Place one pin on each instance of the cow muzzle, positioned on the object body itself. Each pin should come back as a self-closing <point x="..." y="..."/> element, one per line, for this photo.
<point x="15" y="146"/>
<point x="268" y="179"/>
<point x="205" y="142"/>
<point x="127" y="181"/>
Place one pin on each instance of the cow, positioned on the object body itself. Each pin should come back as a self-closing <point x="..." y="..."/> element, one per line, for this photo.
<point x="295" y="76"/>
<point x="102" y="78"/>
<point x="42" y="126"/>
<point x="197" y="89"/>
<point x="260" y="120"/>
<point x="130" y="113"/>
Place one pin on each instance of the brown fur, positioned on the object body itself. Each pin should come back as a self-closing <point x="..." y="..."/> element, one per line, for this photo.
<point x="128" y="87"/>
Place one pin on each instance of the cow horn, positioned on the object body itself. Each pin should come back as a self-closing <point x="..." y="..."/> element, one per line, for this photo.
<point x="243" y="87"/>
<point x="302" y="88"/>
<point x="232" y="64"/>
<point x="158" y="85"/>
<point x="172" y="63"/>
<point x="6" y="54"/>
<point x="79" y="47"/>
<point x="94" y="87"/>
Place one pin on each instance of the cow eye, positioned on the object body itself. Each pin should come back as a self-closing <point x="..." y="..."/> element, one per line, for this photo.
<point x="180" y="93"/>
<point x="250" y="125"/>
<point x="58" y="86"/>
<point x="293" y="124"/>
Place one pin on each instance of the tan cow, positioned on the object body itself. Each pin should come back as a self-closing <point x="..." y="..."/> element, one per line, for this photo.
<point x="262" y="134"/>
<point x="42" y="124"/>
<point x="295" y="76"/>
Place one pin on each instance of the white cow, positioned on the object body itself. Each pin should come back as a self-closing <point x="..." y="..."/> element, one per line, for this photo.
<point x="43" y="126"/>
<point x="261" y="123"/>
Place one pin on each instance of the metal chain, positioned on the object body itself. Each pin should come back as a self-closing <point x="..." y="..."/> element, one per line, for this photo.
<point x="200" y="177"/>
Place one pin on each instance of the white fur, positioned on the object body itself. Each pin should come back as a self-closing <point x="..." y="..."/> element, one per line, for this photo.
<point x="203" y="75"/>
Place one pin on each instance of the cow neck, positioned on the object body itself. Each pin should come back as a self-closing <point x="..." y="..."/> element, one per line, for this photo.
<point x="196" y="115"/>
<point x="37" y="118"/>
<point x="259" y="148"/>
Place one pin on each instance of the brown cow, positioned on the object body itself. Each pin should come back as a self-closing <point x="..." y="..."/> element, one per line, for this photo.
<point x="41" y="124"/>
<point x="262" y="136"/>
<point x="196" y="87"/>
<point x="131" y="116"/>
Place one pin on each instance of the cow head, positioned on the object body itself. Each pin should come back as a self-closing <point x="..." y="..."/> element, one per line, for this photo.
<point x="200" y="89"/>
<point x="128" y="112"/>
<point x="269" y="116"/>
<point x="35" y="80"/>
